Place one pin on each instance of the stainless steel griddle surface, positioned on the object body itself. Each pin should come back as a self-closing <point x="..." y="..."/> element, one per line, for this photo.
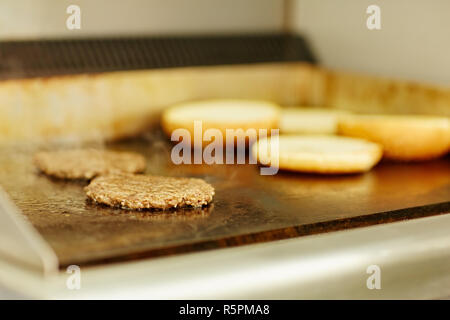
<point x="247" y="207"/>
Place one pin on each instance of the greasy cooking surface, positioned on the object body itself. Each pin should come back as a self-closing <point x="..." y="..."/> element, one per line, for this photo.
<point x="247" y="207"/>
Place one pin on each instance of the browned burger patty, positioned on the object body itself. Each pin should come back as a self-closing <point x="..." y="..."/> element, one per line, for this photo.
<point x="149" y="192"/>
<point x="87" y="163"/>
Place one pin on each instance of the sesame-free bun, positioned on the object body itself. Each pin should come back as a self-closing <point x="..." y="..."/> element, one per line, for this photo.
<point x="221" y="115"/>
<point x="319" y="153"/>
<point x="403" y="137"/>
<point x="309" y="120"/>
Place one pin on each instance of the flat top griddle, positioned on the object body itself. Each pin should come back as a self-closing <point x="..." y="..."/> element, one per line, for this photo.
<point x="247" y="207"/>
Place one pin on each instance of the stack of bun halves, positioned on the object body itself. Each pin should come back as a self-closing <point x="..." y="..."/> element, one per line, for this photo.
<point x="319" y="140"/>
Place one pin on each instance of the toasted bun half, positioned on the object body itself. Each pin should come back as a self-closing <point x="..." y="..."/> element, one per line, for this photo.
<point x="222" y="115"/>
<point x="309" y="120"/>
<point x="318" y="154"/>
<point x="403" y="137"/>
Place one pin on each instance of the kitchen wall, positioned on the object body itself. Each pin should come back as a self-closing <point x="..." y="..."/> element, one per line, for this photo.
<point x="413" y="42"/>
<point x="47" y="18"/>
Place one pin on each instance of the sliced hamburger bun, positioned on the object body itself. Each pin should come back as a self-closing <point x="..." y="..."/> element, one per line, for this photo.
<point x="222" y="115"/>
<point x="403" y="137"/>
<point x="319" y="154"/>
<point x="309" y="120"/>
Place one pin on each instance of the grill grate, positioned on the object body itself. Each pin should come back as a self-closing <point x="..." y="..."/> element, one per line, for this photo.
<point x="20" y="59"/>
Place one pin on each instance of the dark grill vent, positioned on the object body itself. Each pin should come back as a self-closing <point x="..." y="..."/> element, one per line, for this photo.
<point x="55" y="57"/>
